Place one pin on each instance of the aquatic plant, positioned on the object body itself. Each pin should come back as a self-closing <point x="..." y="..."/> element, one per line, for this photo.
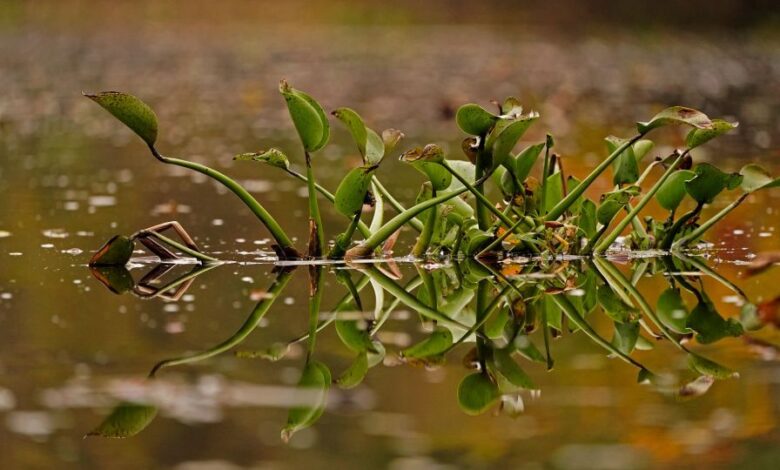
<point x="545" y="215"/>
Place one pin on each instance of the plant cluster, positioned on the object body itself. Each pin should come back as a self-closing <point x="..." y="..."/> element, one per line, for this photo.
<point x="544" y="215"/>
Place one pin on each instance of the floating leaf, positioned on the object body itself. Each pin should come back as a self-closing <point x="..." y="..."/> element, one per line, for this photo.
<point x="510" y="370"/>
<point x="697" y="137"/>
<point x="709" y="181"/>
<point x="755" y="177"/>
<point x="709" y="325"/>
<point x="705" y="366"/>
<point x="356" y="372"/>
<point x="477" y="393"/>
<point x="676" y="115"/>
<point x="474" y="119"/>
<point x="315" y="377"/>
<point x="526" y="159"/>
<point x="308" y="117"/>
<point x="126" y="420"/>
<point x="672" y="312"/>
<point x="131" y="111"/>
<point x="672" y="191"/>
<point x="351" y="193"/>
<point x="273" y="157"/>
<point x="436" y="343"/>
<point x="614" y="307"/>
<point x="116" y="252"/>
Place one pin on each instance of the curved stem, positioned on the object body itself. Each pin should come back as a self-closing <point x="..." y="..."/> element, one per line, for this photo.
<point x="485" y="202"/>
<point x="415" y="223"/>
<point x="282" y="240"/>
<point x="249" y="326"/>
<point x="424" y="240"/>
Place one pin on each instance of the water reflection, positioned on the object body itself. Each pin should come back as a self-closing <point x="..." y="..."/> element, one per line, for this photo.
<point x="502" y="317"/>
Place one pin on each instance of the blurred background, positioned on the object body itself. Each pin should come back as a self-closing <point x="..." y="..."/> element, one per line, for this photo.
<point x="71" y="177"/>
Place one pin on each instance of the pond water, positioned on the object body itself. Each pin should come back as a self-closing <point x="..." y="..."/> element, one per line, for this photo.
<point x="71" y="178"/>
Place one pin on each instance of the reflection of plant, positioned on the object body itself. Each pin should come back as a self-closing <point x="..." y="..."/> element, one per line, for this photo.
<point x="503" y="312"/>
<point x="548" y="215"/>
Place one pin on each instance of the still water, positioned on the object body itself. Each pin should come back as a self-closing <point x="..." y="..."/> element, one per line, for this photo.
<point x="71" y="178"/>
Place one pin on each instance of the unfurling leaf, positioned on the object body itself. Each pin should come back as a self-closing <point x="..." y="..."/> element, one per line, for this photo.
<point x="697" y="137"/>
<point x="116" y="252"/>
<point x="133" y="112"/>
<point x="351" y="193"/>
<point x="308" y="117"/>
<point x="273" y="157"/>
<point x="474" y="119"/>
<point x="126" y="420"/>
<point x="476" y="393"/>
<point x="676" y="115"/>
<point x="672" y="191"/>
<point x="356" y="372"/>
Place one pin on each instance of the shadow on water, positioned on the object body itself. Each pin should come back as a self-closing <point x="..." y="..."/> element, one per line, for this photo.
<point x="502" y="316"/>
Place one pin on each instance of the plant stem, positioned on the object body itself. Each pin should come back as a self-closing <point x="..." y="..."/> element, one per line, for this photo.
<point x="316" y="233"/>
<point x="571" y="198"/>
<point x="474" y="189"/>
<point x="642" y="203"/>
<point x="286" y="248"/>
<point x="315" y="299"/>
<point x="668" y="240"/>
<point x="693" y="236"/>
<point x="184" y="249"/>
<point x="415" y="223"/>
<point x="424" y="240"/>
<point x="483" y="220"/>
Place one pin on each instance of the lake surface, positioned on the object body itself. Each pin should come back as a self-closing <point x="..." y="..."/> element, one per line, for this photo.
<point x="71" y="177"/>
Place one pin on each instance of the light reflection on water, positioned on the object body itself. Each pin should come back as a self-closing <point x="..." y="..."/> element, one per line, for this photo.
<point x="71" y="178"/>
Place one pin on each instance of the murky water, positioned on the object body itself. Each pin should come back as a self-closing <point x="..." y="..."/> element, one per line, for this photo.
<point x="71" y="177"/>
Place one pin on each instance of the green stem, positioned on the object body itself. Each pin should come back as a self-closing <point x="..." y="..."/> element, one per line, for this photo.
<point x="678" y="225"/>
<point x="424" y="240"/>
<point x="693" y="236"/>
<point x="415" y="223"/>
<point x="483" y="220"/>
<point x="316" y="233"/>
<point x="282" y="240"/>
<point x="249" y="326"/>
<point x="485" y="202"/>
<point x="606" y="243"/>
<point x="344" y="239"/>
<point x="572" y="197"/>
<point x="545" y="170"/>
<point x="315" y="299"/>
<point x="183" y="248"/>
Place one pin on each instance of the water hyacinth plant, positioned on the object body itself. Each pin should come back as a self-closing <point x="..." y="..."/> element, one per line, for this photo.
<point x="549" y="214"/>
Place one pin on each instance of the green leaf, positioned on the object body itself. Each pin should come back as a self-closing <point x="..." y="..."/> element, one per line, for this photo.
<point x="526" y="159"/>
<point x="625" y="167"/>
<point x="272" y="156"/>
<point x="354" y="335"/>
<point x="316" y="377"/>
<point x="370" y="145"/>
<point x="439" y="176"/>
<point x="672" y="191"/>
<point x="587" y="221"/>
<point x="613" y="306"/>
<point x="354" y="375"/>
<point x="709" y="368"/>
<point x="474" y="119"/>
<point x="133" y="113"/>
<point x="626" y="336"/>
<point x="429" y="153"/>
<point x="477" y="393"/>
<point x="465" y="169"/>
<point x="709" y="181"/>
<point x="116" y="252"/>
<point x="697" y="137"/>
<point x="510" y="370"/>
<point x="528" y="350"/>
<point x="505" y="135"/>
<point x="672" y="312"/>
<point x="308" y="117"/>
<point x="553" y="191"/>
<point x="755" y="177"/>
<point x="351" y="193"/>
<point x="117" y="278"/>
<point x="613" y="202"/>
<point x="126" y="420"/>
<point x="710" y="326"/>
<point x="674" y="116"/>
<point x="436" y="343"/>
